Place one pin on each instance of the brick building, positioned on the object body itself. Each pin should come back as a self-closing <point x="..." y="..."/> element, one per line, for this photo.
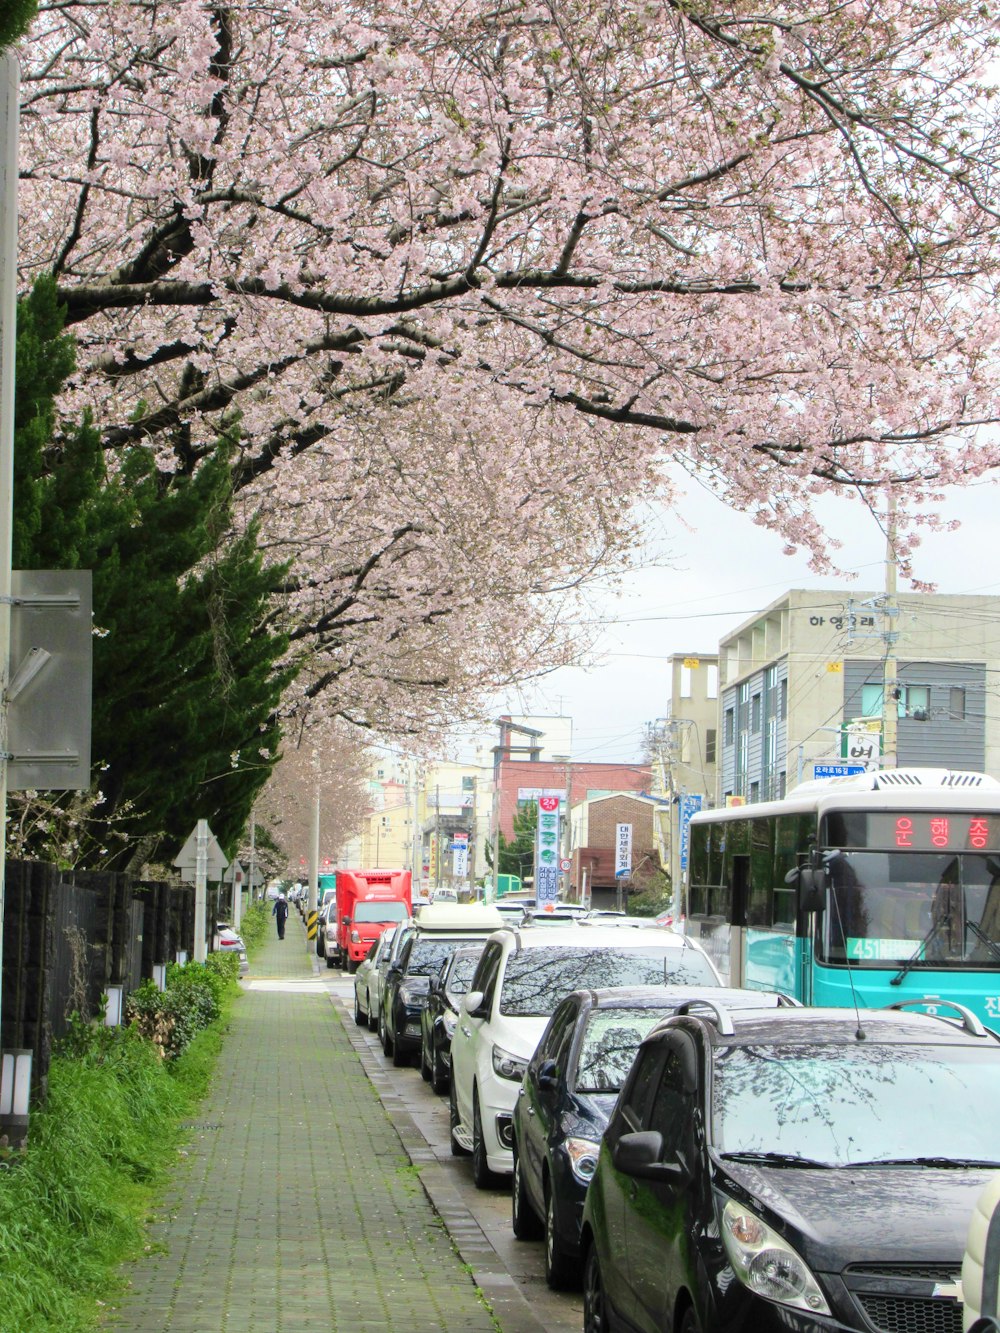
<point x="593" y="829"/>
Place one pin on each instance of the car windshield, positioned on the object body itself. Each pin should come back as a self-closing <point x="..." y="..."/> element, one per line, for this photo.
<point x="427" y="955"/>
<point x="460" y="974"/>
<point x="376" y="911"/>
<point x="934" y="909"/>
<point x="864" y="1103"/>
<point x="537" y="979"/>
<point x="610" y="1041"/>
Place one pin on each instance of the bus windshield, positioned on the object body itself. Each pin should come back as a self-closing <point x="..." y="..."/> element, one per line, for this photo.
<point x="940" y="910"/>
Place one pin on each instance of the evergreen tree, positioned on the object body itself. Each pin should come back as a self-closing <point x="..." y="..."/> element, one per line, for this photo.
<point x="517" y="856"/>
<point x="15" y="20"/>
<point x="187" y="676"/>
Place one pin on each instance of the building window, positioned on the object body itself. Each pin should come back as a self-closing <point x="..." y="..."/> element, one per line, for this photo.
<point x="915" y="702"/>
<point x="710" y="735"/>
<point x="730" y="725"/>
<point x="956" y="703"/>
<point x="468" y="784"/>
<point x="755" y="791"/>
<point x="685" y="682"/>
<point x="712" y="686"/>
<point x="781" y="784"/>
<point x="871" y="700"/>
<point x="755" y="714"/>
<point x="783" y="698"/>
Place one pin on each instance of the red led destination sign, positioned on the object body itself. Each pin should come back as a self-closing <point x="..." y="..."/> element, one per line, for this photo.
<point x="924" y="831"/>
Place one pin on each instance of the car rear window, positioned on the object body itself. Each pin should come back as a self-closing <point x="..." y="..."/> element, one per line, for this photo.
<point x="537" y="979"/>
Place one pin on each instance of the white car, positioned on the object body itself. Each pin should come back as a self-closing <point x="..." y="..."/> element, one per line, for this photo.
<point x="522" y="975"/>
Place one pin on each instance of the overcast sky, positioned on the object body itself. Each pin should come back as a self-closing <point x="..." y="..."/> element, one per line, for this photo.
<point x="723" y="571"/>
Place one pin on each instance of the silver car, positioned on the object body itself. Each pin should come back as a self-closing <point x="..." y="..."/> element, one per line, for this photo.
<point x="366" y="980"/>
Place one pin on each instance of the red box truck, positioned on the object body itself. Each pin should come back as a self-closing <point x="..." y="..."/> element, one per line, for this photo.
<point x="367" y="902"/>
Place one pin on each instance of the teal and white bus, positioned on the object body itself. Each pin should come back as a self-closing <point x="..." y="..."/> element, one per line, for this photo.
<point x="869" y="889"/>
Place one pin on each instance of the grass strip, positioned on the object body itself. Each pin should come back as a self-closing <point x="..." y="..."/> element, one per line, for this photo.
<point x="75" y="1203"/>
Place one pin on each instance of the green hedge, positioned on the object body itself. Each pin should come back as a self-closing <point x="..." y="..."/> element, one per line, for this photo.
<point x="74" y="1202"/>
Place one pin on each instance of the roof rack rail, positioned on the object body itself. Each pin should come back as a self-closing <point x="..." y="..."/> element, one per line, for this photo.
<point x="970" y="1021"/>
<point x="722" y="1020"/>
<point x="786" y="1001"/>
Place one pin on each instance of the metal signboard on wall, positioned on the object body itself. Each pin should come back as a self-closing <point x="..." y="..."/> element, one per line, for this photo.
<point x="49" y="693"/>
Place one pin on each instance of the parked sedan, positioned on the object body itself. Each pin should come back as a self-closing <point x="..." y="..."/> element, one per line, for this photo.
<point x="365" y="979"/>
<point x="230" y="941"/>
<point x="439" y="1016"/>
<point x="569" y="1091"/>
<point x="793" y="1171"/>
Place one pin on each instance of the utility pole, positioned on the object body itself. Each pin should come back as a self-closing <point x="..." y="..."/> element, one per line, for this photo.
<point x="313" y="898"/>
<point x="416" y="838"/>
<point x="890" y="634"/>
<point x="9" y="104"/>
<point x="437" y="835"/>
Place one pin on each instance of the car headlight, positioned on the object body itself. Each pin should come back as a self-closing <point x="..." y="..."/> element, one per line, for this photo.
<point x="450" y="1023"/>
<point x="508" y="1065"/>
<point x="355" y="937"/>
<point x="582" y="1158"/>
<point x="767" y="1264"/>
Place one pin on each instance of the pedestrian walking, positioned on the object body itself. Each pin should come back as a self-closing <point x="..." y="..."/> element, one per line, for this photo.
<point x="280" y="913"/>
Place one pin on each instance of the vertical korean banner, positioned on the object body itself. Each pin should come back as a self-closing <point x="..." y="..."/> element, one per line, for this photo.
<point x="623" y="851"/>
<point x="547" y="851"/>
<point x="690" y="803"/>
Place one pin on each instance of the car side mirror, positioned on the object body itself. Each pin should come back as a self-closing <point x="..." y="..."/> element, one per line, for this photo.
<point x="346" y="920"/>
<point x="640" y="1155"/>
<point x="547" y="1075"/>
<point x="472" y="1004"/>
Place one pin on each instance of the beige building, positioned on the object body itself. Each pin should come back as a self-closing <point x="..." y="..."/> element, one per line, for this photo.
<point x="802" y="687"/>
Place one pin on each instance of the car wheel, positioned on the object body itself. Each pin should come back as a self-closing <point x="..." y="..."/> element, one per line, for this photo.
<point x="399" y="1058"/>
<point x="439" y="1076"/>
<point x="560" y="1270"/>
<point x="523" y="1217"/>
<point x="383" y="1033"/>
<point x="689" y="1322"/>
<point x="372" y="1019"/>
<point x="456" y="1148"/>
<point x="482" y="1176"/>
<point x="330" y="961"/>
<point x="359" y="1017"/>
<point x="352" y="965"/>
<point x="595" y="1311"/>
<point x="425" y="1069"/>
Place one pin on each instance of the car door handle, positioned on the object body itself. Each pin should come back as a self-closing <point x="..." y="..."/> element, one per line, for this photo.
<point x="531" y="1110"/>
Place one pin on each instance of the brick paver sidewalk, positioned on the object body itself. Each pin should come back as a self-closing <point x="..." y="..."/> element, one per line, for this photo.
<point x="296" y="1206"/>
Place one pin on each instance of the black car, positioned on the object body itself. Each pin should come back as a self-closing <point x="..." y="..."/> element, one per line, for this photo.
<point x="809" y="1170"/>
<point x="440" y="1014"/>
<point x="406" y="989"/>
<point x="566" y="1097"/>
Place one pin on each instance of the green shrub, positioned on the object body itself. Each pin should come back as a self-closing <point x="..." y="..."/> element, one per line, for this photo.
<point x="170" y="1019"/>
<point x="255" y="925"/>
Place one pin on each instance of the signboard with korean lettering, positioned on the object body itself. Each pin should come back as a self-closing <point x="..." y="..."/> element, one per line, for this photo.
<point x="547" y="854"/>
<point x="861" y="742"/>
<point x="623" y="851"/>
<point x="690" y="803"/>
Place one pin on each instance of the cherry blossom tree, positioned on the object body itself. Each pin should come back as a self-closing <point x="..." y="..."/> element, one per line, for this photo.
<point x="474" y="278"/>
